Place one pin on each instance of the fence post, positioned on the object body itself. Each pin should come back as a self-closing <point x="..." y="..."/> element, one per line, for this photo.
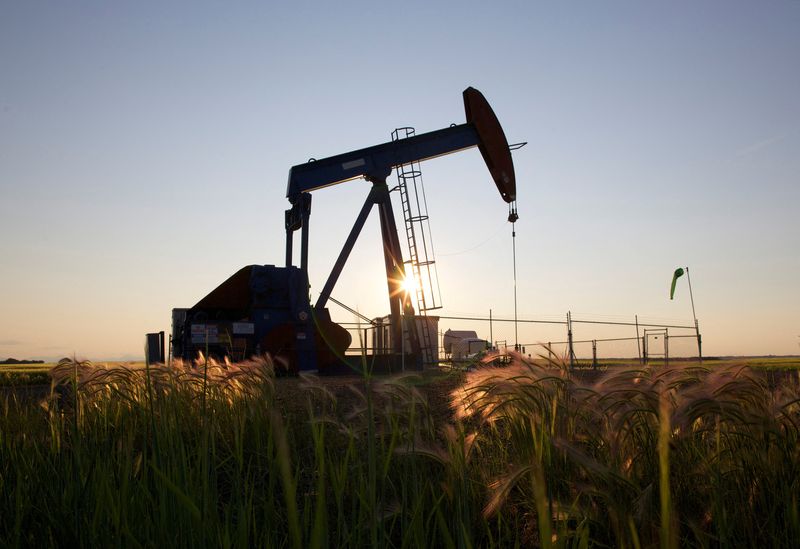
<point x="638" y="346"/>
<point x="644" y="347"/>
<point x="491" y="334"/>
<point x="699" y="341"/>
<point x="569" y="340"/>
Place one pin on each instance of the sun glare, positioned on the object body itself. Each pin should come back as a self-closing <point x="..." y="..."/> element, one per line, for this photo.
<point x="409" y="284"/>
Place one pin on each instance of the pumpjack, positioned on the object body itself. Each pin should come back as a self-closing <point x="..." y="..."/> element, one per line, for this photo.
<point x="267" y="309"/>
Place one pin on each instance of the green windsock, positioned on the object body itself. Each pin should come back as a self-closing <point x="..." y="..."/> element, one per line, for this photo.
<point x="678" y="274"/>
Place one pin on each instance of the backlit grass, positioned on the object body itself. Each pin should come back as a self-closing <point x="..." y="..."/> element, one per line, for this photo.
<point x="210" y="454"/>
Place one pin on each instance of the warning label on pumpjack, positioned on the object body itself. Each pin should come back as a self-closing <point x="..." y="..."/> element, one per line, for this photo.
<point x="353" y="164"/>
<point x="244" y="328"/>
<point x="202" y="333"/>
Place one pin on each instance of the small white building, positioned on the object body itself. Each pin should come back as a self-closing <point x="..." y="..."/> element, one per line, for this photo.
<point x="463" y="344"/>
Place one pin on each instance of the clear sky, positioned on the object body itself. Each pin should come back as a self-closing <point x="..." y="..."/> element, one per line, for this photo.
<point x="144" y="149"/>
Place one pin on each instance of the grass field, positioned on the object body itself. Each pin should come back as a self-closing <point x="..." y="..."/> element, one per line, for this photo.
<point x="768" y="362"/>
<point x="764" y="362"/>
<point x="27" y="368"/>
<point x="526" y="455"/>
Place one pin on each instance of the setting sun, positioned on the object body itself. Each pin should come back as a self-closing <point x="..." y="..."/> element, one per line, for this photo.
<point x="409" y="283"/>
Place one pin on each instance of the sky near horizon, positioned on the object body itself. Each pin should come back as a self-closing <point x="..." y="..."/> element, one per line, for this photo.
<point x="144" y="149"/>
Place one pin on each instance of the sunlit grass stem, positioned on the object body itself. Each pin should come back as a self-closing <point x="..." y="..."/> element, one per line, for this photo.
<point x="216" y="454"/>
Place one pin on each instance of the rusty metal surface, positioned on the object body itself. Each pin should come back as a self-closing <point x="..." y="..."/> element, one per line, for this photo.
<point x="493" y="145"/>
<point x="330" y="341"/>
<point x="233" y="294"/>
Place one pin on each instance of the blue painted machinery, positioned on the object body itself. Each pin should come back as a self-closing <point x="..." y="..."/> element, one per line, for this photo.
<point x="266" y="309"/>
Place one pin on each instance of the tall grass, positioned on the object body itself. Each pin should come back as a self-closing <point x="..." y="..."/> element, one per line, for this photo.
<point x="533" y="454"/>
<point x="210" y="454"/>
<point x="653" y="457"/>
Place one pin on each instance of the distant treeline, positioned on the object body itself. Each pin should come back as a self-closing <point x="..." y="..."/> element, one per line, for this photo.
<point x="15" y="361"/>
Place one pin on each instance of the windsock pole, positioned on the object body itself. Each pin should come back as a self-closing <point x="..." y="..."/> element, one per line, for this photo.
<point x="694" y="314"/>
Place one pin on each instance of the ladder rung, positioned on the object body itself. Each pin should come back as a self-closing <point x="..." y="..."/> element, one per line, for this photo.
<point x="414" y="214"/>
<point x="410" y="174"/>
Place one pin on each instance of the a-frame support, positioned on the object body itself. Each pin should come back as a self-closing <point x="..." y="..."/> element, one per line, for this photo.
<point x="402" y="310"/>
